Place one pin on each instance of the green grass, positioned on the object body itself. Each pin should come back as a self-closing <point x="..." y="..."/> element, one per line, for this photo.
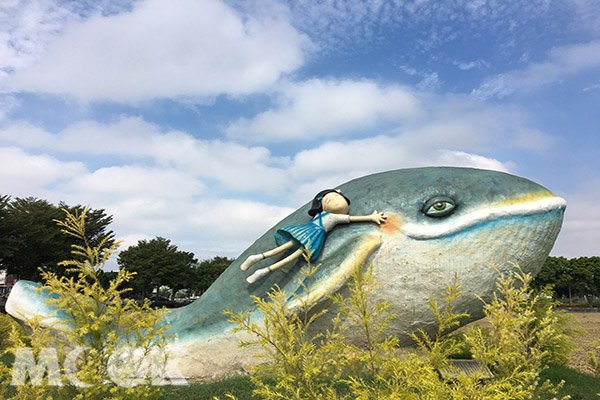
<point x="580" y="386"/>
<point x="240" y="387"/>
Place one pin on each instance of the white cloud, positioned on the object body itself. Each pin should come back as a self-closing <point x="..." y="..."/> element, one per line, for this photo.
<point x="25" y="174"/>
<point x="591" y="87"/>
<point x="334" y="163"/>
<point x="429" y="82"/>
<point x="183" y="48"/>
<point x="580" y="235"/>
<point x="26" y="27"/>
<point x="26" y="135"/>
<point x="133" y="181"/>
<point x="353" y="108"/>
<point x="318" y="108"/>
<point x="466" y="66"/>
<point x="233" y="166"/>
<point x="562" y="62"/>
<point x="238" y="218"/>
<point x="350" y="158"/>
<point x="206" y="225"/>
<point x="453" y="158"/>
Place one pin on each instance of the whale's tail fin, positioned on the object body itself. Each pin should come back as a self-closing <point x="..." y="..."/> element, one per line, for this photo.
<point x="26" y="301"/>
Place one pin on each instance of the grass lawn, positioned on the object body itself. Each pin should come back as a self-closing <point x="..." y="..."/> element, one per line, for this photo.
<point x="580" y="386"/>
<point x="240" y="387"/>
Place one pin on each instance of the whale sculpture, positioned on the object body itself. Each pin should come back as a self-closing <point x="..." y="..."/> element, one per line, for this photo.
<point x="490" y="222"/>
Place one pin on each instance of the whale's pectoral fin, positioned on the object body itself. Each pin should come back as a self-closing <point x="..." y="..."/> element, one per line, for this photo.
<point x="357" y="256"/>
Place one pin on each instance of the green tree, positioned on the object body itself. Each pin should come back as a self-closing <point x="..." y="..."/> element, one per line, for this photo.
<point x="206" y="272"/>
<point x="105" y="277"/>
<point x="592" y="266"/>
<point x="96" y="223"/>
<point x="31" y="240"/>
<point x="555" y="273"/>
<point x="577" y="277"/>
<point x="583" y="276"/>
<point x="157" y="263"/>
<point x="4" y="229"/>
<point x="595" y="267"/>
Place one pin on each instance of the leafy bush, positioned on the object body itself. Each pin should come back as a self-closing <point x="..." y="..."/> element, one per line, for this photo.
<point x="98" y="320"/>
<point x="7" y="323"/>
<point x="526" y="334"/>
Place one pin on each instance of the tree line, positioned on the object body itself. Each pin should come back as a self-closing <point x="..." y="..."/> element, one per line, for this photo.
<point x="158" y="263"/>
<point x="571" y="278"/>
<point x="31" y="240"/>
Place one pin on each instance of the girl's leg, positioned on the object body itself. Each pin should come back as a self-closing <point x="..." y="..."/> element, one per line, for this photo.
<point x="253" y="259"/>
<point x="278" y="250"/>
<point x="259" y="273"/>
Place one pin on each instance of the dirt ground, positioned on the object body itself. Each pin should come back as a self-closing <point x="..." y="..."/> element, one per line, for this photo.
<point x="588" y="327"/>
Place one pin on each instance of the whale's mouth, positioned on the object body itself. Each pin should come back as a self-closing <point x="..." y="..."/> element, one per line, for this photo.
<point x="530" y="204"/>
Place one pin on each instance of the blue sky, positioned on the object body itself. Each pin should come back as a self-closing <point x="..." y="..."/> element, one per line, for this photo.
<point x="206" y="122"/>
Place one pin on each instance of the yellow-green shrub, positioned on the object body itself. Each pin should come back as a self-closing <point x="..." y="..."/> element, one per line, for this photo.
<point x="328" y="366"/>
<point x="7" y="323"/>
<point x="526" y="334"/>
<point x="100" y="320"/>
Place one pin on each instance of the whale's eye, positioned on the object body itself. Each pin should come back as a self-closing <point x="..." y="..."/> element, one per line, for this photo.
<point x="438" y="207"/>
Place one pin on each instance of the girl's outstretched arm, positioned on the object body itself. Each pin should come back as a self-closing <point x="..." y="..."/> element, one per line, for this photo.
<point x="377" y="217"/>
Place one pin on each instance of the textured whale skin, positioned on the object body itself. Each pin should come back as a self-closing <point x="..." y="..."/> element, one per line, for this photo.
<point x="499" y="220"/>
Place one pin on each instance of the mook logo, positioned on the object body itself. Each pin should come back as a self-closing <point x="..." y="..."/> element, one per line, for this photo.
<point x="127" y="367"/>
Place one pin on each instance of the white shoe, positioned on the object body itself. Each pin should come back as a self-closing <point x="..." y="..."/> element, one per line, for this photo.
<point x="259" y="273"/>
<point x="250" y="261"/>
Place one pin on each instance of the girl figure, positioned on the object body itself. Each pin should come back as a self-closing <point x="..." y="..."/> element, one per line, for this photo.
<point x="329" y="208"/>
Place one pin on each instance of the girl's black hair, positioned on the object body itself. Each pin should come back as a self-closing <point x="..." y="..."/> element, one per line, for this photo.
<point x="317" y="203"/>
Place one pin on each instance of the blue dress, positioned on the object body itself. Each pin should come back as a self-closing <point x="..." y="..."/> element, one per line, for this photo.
<point x="310" y="236"/>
